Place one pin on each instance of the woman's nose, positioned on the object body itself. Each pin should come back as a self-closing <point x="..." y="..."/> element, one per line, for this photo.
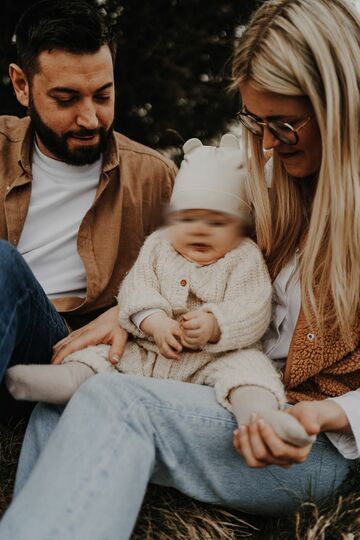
<point x="269" y="140"/>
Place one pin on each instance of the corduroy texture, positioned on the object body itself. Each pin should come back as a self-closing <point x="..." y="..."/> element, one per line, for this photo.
<point x="134" y="185"/>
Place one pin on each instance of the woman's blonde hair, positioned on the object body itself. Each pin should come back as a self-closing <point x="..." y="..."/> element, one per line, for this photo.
<point x="310" y="48"/>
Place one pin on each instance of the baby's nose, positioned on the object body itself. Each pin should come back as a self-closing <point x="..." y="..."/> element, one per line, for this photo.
<point x="201" y="227"/>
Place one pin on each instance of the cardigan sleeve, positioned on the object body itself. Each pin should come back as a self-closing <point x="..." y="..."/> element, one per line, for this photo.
<point x="140" y="289"/>
<point x="244" y="314"/>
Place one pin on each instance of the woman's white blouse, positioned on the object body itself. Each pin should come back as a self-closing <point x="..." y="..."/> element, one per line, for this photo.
<point x="276" y="343"/>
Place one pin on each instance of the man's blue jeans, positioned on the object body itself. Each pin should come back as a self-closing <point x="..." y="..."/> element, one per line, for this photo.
<point x="29" y="323"/>
<point x="83" y="474"/>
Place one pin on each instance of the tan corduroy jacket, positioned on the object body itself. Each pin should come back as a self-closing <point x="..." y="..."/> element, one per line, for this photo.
<point x="135" y="182"/>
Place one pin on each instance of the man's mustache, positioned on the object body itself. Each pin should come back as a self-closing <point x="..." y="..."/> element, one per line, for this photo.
<point x="84" y="133"/>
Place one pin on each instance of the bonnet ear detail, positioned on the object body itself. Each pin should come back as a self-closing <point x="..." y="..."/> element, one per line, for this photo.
<point x="229" y="141"/>
<point x="191" y="144"/>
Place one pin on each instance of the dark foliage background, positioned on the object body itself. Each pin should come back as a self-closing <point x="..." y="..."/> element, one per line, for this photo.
<point x="173" y="66"/>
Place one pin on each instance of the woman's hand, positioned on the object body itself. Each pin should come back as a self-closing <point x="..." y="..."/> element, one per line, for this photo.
<point x="104" y="329"/>
<point x="259" y="445"/>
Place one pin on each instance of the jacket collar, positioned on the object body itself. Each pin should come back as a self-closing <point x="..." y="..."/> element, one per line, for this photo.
<point x="25" y="150"/>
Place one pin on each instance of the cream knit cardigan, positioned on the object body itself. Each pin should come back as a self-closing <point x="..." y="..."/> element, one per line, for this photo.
<point x="235" y="289"/>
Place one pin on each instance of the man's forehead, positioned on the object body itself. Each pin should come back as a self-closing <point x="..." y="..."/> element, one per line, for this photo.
<point x="63" y="69"/>
<point x="59" y="59"/>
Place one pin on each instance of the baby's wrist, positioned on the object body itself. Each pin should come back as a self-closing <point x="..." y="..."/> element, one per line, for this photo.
<point x="151" y="323"/>
<point x="215" y="331"/>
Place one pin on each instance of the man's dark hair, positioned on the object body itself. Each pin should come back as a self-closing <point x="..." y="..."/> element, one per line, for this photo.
<point x="76" y="26"/>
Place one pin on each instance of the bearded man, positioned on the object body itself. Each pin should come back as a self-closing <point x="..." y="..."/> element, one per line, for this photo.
<point x="77" y="199"/>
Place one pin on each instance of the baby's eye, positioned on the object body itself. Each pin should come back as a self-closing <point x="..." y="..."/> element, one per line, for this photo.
<point x="185" y="220"/>
<point x="217" y="223"/>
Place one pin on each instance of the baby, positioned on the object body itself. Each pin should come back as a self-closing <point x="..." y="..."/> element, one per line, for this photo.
<point x="196" y="302"/>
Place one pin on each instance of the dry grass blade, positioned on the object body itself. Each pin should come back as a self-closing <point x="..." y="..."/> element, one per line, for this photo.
<point x="10" y="444"/>
<point x="168" y="515"/>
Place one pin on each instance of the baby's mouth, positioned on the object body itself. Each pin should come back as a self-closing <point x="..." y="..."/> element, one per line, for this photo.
<point x="199" y="246"/>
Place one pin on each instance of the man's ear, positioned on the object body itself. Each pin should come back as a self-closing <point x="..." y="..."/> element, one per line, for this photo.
<point x="20" y="83"/>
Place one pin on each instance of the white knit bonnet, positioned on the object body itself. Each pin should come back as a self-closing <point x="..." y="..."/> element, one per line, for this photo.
<point x="211" y="178"/>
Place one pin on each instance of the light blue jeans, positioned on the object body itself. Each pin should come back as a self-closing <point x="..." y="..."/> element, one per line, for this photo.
<point x="83" y="475"/>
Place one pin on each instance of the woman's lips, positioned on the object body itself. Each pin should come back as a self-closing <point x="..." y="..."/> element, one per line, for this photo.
<point x="288" y="155"/>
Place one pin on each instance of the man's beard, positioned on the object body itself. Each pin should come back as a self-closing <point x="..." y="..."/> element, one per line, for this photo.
<point x="58" y="145"/>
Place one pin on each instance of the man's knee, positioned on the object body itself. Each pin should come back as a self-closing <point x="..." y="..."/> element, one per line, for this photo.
<point x="10" y="259"/>
<point x="14" y="271"/>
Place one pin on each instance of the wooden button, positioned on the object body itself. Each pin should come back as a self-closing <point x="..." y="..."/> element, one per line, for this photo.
<point x="183" y="282"/>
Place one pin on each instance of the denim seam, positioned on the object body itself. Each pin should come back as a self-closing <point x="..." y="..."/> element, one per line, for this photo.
<point x="187" y="414"/>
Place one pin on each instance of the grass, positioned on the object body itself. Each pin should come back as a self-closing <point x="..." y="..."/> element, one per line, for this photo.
<point x="168" y="515"/>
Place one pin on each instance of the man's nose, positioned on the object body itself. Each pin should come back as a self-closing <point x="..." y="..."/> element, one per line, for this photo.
<point x="87" y="117"/>
<point x="269" y="140"/>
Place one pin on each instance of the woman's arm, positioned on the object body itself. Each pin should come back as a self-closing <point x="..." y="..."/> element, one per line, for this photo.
<point x="348" y="441"/>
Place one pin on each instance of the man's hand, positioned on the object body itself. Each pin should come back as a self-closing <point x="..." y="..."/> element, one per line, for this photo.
<point x="166" y="333"/>
<point x="199" y="328"/>
<point x="104" y="329"/>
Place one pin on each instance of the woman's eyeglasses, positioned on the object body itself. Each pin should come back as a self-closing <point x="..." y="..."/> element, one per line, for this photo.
<point x="283" y="131"/>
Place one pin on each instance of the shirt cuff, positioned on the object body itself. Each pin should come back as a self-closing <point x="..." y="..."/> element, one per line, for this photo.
<point x="348" y="444"/>
<point x="138" y="317"/>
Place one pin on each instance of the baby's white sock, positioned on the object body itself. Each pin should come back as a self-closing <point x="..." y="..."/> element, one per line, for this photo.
<point x="47" y="382"/>
<point x="247" y="400"/>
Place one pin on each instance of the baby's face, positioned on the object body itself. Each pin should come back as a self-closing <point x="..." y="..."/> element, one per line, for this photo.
<point x="203" y="236"/>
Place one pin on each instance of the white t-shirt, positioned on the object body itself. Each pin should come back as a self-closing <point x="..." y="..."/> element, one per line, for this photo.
<point x="60" y="197"/>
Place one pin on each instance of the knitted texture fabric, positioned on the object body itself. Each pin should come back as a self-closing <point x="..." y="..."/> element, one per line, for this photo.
<point x="236" y="289"/>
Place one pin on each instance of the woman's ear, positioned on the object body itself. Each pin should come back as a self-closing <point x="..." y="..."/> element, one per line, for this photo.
<point x="20" y="83"/>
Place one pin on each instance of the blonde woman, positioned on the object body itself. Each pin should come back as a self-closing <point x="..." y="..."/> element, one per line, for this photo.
<point x="297" y="67"/>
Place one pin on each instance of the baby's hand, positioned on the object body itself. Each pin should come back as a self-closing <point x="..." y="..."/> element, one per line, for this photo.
<point x="166" y="333"/>
<point x="199" y="328"/>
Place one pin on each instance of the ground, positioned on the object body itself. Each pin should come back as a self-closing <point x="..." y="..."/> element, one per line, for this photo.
<point x="168" y="515"/>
